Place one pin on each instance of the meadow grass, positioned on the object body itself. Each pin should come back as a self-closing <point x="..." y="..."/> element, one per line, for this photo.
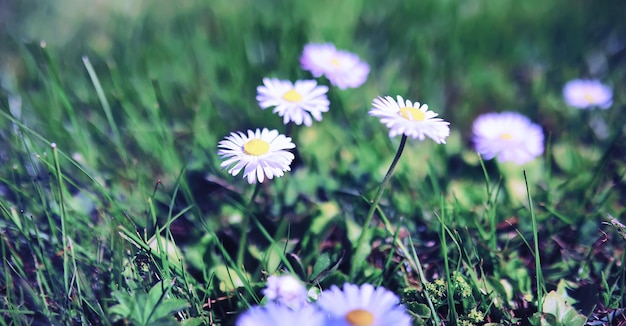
<point x="114" y="209"/>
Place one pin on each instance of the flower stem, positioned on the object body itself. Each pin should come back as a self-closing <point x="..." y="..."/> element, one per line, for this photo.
<point x="245" y="222"/>
<point x="370" y="214"/>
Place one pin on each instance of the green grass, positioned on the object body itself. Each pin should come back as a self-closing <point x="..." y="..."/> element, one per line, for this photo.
<point x="113" y="208"/>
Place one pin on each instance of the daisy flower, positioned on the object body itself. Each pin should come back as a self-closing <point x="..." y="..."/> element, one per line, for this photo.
<point x="363" y="306"/>
<point x="261" y="154"/>
<point x="286" y="290"/>
<point x="586" y="94"/>
<point x="278" y="315"/>
<point x="294" y="102"/>
<point x="411" y="119"/>
<point x="508" y="136"/>
<point x="343" y="69"/>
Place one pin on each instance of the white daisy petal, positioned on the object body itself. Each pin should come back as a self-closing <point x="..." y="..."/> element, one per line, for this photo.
<point x="237" y="168"/>
<point x="363" y="305"/>
<point x="507" y="136"/>
<point x="260" y="174"/>
<point x="274" y="314"/>
<point x="411" y="119"/>
<point x="261" y="154"/>
<point x="294" y="102"/>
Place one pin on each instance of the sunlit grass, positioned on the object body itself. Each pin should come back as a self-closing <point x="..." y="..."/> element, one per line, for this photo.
<point x="114" y="208"/>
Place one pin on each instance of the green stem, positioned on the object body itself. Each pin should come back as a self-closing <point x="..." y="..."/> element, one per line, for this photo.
<point x="539" y="274"/>
<point x="66" y="264"/>
<point x="289" y="130"/>
<point x="370" y="213"/>
<point x="244" y="227"/>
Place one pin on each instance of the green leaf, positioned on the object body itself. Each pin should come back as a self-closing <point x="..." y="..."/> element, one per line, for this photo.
<point x="192" y="322"/>
<point x="321" y="264"/>
<point x="274" y="254"/>
<point x="418" y="309"/>
<point x="154" y="296"/>
<point x="168" y="307"/>
<point x="566" y="157"/>
<point x="564" y="313"/>
<point x="229" y="278"/>
<point x="326" y="268"/>
<point x="125" y="306"/>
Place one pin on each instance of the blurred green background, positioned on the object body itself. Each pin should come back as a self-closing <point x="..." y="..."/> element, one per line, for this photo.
<point x="462" y="57"/>
<point x="207" y="57"/>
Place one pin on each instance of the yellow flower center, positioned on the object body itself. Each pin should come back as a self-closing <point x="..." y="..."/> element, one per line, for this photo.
<point x="589" y="97"/>
<point x="506" y="136"/>
<point x="412" y="114"/>
<point x="334" y="62"/>
<point x="292" y="96"/>
<point x="256" y="147"/>
<point x="360" y="317"/>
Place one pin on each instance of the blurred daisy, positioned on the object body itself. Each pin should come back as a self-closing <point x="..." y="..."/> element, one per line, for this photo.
<point x="295" y="103"/>
<point x="411" y="119"/>
<point x="343" y="69"/>
<point x="508" y="136"/>
<point x="363" y="306"/>
<point x="286" y="290"/>
<point x="586" y="94"/>
<point x="261" y="154"/>
<point x="278" y="315"/>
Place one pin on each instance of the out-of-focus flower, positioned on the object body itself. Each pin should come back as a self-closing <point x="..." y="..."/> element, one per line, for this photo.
<point x="363" y="306"/>
<point x="587" y="94"/>
<point x="508" y="136"/>
<point x="343" y="69"/>
<point x="294" y="102"/>
<point x="261" y="154"/>
<point x="286" y="290"/>
<point x="411" y="119"/>
<point x="278" y="315"/>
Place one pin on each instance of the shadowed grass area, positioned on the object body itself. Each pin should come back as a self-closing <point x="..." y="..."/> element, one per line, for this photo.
<point x="114" y="208"/>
